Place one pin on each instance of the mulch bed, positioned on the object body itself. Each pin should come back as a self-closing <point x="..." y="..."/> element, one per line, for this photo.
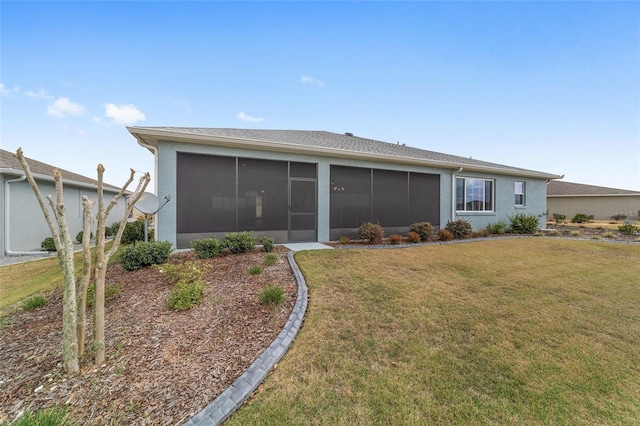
<point x="162" y="366"/>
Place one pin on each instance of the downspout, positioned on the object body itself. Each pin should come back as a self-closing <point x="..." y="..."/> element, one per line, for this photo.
<point x="453" y="193"/>
<point x="155" y="171"/>
<point x="7" y="221"/>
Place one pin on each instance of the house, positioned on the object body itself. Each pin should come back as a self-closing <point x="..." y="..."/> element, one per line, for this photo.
<point x="600" y="202"/>
<point x="23" y="225"/>
<point x="303" y="186"/>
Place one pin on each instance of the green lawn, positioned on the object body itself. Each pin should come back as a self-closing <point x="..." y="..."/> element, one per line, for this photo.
<point x="519" y="331"/>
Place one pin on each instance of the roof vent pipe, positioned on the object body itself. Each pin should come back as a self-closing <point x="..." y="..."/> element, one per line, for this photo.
<point x="348" y="134"/>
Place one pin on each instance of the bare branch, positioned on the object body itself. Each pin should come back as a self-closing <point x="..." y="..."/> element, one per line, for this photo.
<point x="115" y="199"/>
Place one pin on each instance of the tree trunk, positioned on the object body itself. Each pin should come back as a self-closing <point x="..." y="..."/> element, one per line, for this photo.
<point x="101" y="272"/>
<point x="87" y="205"/>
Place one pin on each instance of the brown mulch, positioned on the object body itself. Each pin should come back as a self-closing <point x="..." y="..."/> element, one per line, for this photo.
<point x="162" y="366"/>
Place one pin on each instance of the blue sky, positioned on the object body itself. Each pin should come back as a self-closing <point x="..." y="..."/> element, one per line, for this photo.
<point x="549" y="86"/>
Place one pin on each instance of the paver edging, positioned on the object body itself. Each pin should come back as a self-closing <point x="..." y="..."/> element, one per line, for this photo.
<point x="235" y="395"/>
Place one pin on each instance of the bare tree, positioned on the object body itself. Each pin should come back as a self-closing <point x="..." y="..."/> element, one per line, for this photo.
<point x="74" y="309"/>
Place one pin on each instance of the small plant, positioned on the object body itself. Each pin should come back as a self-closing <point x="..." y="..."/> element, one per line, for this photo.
<point x="595" y="237"/>
<point x="271" y="295"/>
<point x="33" y="302"/>
<point x="524" y="224"/>
<point x="267" y="244"/>
<point x="110" y="290"/>
<point x="575" y="233"/>
<point x="413" y="237"/>
<point x="460" y="229"/>
<point x="48" y="244"/>
<point x="609" y="235"/>
<point x="48" y="417"/>
<point x="559" y="218"/>
<point x="186" y="295"/>
<point x="580" y="218"/>
<point x="270" y="259"/>
<point x="345" y="240"/>
<point x="497" y="228"/>
<point x="81" y="234"/>
<point x="140" y="254"/>
<point x="566" y="232"/>
<point x="239" y="242"/>
<point x="628" y="229"/>
<point x="619" y="216"/>
<point x="395" y="239"/>
<point x="445" y="235"/>
<point x="553" y="233"/>
<point x="371" y="232"/>
<point x="207" y="248"/>
<point x="186" y="271"/>
<point x="424" y="229"/>
<point x="255" y="270"/>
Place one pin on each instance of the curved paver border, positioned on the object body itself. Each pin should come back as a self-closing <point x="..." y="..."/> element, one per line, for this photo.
<point x="235" y="395"/>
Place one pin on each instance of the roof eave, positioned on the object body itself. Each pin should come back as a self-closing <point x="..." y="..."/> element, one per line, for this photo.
<point x="592" y="195"/>
<point x="47" y="178"/>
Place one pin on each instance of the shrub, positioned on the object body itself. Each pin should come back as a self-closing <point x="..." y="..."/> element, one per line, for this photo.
<point x="424" y="229"/>
<point x="345" y="240"/>
<point x="371" y="232"/>
<point x="413" y="237"/>
<point x="575" y="233"/>
<point x="207" y="248"/>
<point x="395" y="239"/>
<point x="186" y="271"/>
<point x="628" y="229"/>
<point x="34" y="302"/>
<point x="271" y="295"/>
<point x="134" y="231"/>
<point x="239" y="242"/>
<point x="186" y="295"/>
<point x="554" y="233"/>
<point x="255" y="270"/>
<point x="609" y="235"/>
<point x="81" y="234"/>
<point x="113" y="229"/>
<point x="50" y="416"/>
<point x="497" y="228"/>
<point x="559" y="218"/>
<point x="270" y="259"/>
<point x="524" y="224"/>
<point x="580" y="218"/>
<point x="460" y="229"/>
<point x="267" y="244"/>
<point x="48" y="244"/>
<point x="444" y="235"/>
<point x="140" y="254"/>
<point x="619" y="216"/>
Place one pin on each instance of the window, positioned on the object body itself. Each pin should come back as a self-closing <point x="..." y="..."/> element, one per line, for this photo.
<point x="519" y="191"/>
<point x="474" y="195"/>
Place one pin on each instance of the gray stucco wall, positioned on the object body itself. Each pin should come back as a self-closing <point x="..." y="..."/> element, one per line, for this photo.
<point x="601" y="207"/>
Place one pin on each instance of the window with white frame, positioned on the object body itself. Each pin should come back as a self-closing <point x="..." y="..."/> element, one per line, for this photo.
<point x="519" y="193"/>
<point x="474" y="194"/>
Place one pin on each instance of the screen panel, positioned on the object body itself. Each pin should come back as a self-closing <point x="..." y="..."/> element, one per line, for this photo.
<point x="390" y="197"/>
<point x="263" y="195"/>
<point x="350" y="200"/>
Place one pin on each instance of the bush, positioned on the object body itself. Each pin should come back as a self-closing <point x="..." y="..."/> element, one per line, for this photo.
<point x="413" y="237"/>
<point x="271" y="295"/>
<point x="113" y="229"/>
<point x="239" y="242"/>
<point x="424" y="229"/>
<point x="580" y="218"/>
<point x="460" y="229"/>
<point x="371" y="232"/>
<point x="34" y="302"/>
<point x="255" y="270"/>
<point x="140" y="254"/>
<point x="628" y="229"/>
<point x="524" y="224"/>
<point x="134" y="231"/>
<point x="186" y="295"/>
<point x="207" y="248"/>
<point x="619" y="216"/>
<point x="267" y="244"/>
<point x="345" y="240"/>
<point x="395" y="239"/>
<point x="444" y="235"/>
<point x="48" y="244"/>
<point x="184" y="271"/>
<point x="497" y="228"/>
<point x="81" y="234"/>
<point x="559" y="218"/>
<point x="270" y="259"/>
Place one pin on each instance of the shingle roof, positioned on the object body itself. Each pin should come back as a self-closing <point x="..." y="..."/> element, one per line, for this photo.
<point x="561" y="188"/>
<point x="327" y="142"/>
<point x="8" y="160"/>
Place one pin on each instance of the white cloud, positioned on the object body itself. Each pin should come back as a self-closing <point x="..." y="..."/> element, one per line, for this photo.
<point x="6" y="91"/>
<point x="63" y="107"/>
<point x="305" y="79"/>
<point x="123" y="114"/>
<point x="41" y="94"/>
<point x="244" y="117"/>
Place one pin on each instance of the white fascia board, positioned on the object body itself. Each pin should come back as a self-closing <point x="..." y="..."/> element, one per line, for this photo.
<point x="47" y="178"/>
<point x="593" y="195"/>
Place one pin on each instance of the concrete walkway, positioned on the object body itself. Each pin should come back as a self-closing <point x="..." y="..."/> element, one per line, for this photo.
<point x="307" y="246"/>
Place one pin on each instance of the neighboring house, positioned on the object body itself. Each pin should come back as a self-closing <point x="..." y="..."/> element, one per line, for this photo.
<point x="23" y="225"/>
<point x="602" y="203"/>
<point x="318" y="186"/>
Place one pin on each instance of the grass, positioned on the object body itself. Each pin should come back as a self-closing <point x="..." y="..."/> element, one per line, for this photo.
<point x="522" y="331"/>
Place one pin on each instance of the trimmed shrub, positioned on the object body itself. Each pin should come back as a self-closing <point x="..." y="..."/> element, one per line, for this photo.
<point x="34" y="302"/>
<point x="48" y="244"/>
<point x="255" y="270"/>
<point x="134" y="231"/>
<point x="395" y="239"/>
<point x="239" y="242"/>
<point x="207" y="248"/>
<point x="628" y="229"/>
<point x="270" y="259"/>
<point x="559" y="218"/>
<point x="267" y="244"/>
<point x="497" y="228"/>
<point x="140" y="254"/>
<point x="580" y="218"/>
<point x="186" y="295"/>
<point x="524" y="224"/>
<point x="413" y="237"/>
<point x="372" y="233"/>
<point x="460" y="229"/>
<point x="81" y="234"/>
<point x="444" y="235"/>
<point x="345" y="240"/>
<point x="424" y="229"/>
<point x="271" y="295"/>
